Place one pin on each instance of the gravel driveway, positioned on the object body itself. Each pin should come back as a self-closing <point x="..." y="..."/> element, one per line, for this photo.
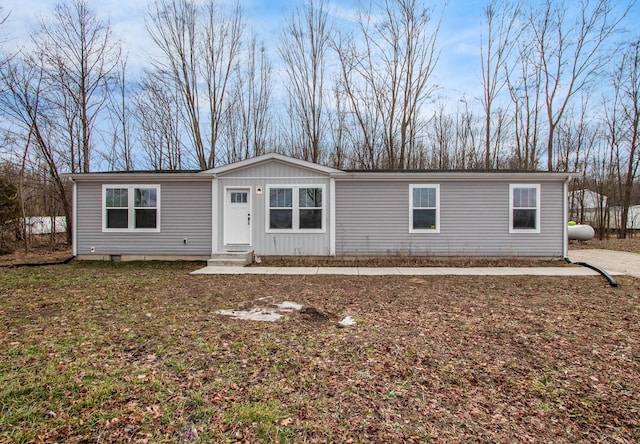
<point x="609" y="260"/>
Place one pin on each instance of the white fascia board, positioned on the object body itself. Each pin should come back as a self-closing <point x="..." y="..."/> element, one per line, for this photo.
<point x="453" y="176"/>
<point x="215" y="212"/>
<point x="565" y="219"/>
<point x="128" y="177"/>
<point x="268" y="157"/>
<point x="332" y="217"/>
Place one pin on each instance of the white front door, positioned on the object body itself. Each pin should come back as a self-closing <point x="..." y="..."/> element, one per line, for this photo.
<point x="237" y="216"/>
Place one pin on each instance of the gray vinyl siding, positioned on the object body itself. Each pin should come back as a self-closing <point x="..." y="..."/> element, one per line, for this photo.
<point x="272" y="169"/>
<point x="185" y="212"/>
<point x="279" y="244"/>
<point x="276" y="244"/>
<point x="372" y="218"/>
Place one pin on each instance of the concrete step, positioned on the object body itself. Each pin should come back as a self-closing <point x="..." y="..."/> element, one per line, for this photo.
<point x="230" y="259"/>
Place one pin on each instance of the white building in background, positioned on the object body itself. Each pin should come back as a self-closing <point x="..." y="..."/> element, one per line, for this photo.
<point x="587" y="203"/>
<point x="633" y="218"/>
<point x="45" y="224"/>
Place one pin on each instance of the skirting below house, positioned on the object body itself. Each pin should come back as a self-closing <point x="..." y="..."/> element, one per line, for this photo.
<point x="133" y="257"/>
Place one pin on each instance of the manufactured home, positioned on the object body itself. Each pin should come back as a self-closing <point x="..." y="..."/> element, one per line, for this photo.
<point x="276" y="205"/>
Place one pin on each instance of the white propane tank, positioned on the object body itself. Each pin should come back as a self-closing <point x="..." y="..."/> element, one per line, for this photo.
<point x="580" y="232"/>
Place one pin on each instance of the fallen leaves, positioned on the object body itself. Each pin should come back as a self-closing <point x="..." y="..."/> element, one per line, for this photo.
<point x="136" y="353"/>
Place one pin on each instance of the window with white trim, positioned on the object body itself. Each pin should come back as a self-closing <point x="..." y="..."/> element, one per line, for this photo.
<point x="281" y="208"/>
<point x="424" y="208"/>
<point x="131" y="208"/>
<point x="295" y="208"/>
<point x="524" y="208"/>
<point x="310" y="208"/>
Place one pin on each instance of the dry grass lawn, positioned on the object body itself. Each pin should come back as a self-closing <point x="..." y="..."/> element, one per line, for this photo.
<point x="134" y="352"/>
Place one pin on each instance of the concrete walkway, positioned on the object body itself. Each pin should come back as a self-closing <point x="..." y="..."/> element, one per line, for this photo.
<point x="614" y="262"/>
<point x="405" y="271"/>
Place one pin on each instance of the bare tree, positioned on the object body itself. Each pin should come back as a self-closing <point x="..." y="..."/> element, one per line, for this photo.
<point x="363" y="122"/>
<point x="600" y="179"/>
<point x="454" y="138"/>
<point x="525" y="91"/>
<point x="442" y="139"/>
<point x="159" y="122"/>
<point x="3" y="19"/>
<point x="54" y="94"/>
<point x="572" y="53"/>
<point x="502" y="32"/>
<point x="303" y="48"/>
<point x="248" y="118"/>
<point x="339" y="154"/>
<point x="221" y="49"/>
<point x="24" y="104"/>
<point x="624" y="129"/>
<point x="173" y="28"/>
<point x="258" y="104"/>
<point x="576" y="138"/>
<point x="468" y="135"/>
<point x="120" y="156"/>
<point x="79" y="55"/>
<point x="579" y="136"/>
<point x="9" y="212"/>
<point x="386" y="72"/>
<point x="199" y="44"/>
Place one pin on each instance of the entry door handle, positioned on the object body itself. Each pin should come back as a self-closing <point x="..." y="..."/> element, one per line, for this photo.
<point x="249" y="219"/>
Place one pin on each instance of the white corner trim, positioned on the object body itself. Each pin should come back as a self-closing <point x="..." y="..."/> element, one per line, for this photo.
<point x="565" y="218"/>
<point x="332" y="217"/>
<point x="74" y="219"/>
<point x="214" y="216"/>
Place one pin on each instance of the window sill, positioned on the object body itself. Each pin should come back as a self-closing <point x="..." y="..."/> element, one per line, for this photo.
<point x="131" y="230"/>
<point x="299" y="231"/>
<point x="523" y="231"/>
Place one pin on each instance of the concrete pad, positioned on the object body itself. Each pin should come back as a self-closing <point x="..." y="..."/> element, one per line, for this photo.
<point x="296" y="270"/>
<point x="237" y="270"/>
<point x="611" y="261"/>
<point x="378" y="271"/>
<point x="343" y="271"/>
<point x="468" y="271"/>
<point x="422" y="271"/>
<point x="405" y="271"/>
<point x="546" y="271"/>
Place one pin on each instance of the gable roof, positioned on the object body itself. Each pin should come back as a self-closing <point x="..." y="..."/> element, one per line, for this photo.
<point x="270" y="157"/>
<point x="347" y="174"/>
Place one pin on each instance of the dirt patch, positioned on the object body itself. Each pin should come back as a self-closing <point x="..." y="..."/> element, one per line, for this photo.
<point x="266" y="312"/>
<point x="312" y="314"/>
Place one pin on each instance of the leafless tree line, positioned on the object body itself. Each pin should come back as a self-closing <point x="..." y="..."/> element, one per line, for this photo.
<point x="557" y="89"/>
<point x="54" y="95"/>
